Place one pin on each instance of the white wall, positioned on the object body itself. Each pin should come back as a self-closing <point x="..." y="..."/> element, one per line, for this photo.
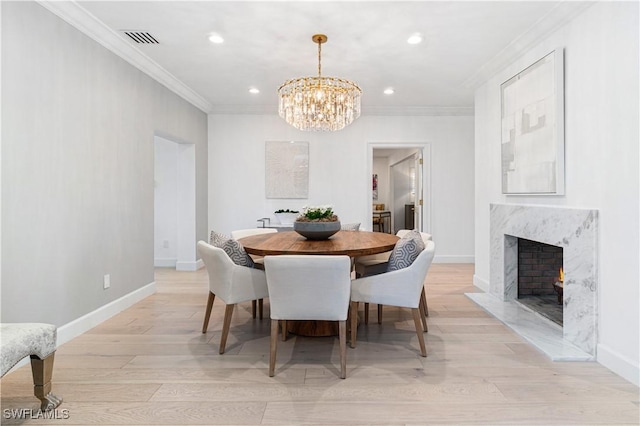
<point x="339" y="173"/>
<point x="77" y="168"/>
<point x="601" y="150"/>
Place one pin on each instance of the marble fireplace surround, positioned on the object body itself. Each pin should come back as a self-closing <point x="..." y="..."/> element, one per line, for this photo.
<point x="576" y="231"/>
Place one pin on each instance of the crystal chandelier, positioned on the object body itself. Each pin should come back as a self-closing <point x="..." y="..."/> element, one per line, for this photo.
<point x="319" y="103"/>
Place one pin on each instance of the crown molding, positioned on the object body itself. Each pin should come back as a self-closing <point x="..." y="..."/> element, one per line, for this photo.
<point x="559" y="16"/>
<point x="87" y="23"/>
<point x="244" y="109"/>
<point x="366" y="111"/>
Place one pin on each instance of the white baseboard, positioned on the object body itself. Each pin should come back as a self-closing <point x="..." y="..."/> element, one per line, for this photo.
<point x="189" y="266"/>
<point x="619" y="364"/>
<point x="178" y="265"/>
<point x="454" y="259"/>
<point x="481" y="283"/>
<point x="164" y="262"/>
<point x="86" y="322"/>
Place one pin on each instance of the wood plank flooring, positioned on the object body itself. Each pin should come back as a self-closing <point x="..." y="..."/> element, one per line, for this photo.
<point x="151" y="365"/>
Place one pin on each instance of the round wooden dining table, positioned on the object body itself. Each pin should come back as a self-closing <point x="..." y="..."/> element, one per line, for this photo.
<point x="347" y="243"/>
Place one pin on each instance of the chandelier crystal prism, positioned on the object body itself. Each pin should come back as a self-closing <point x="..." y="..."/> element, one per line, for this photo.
<point x="319" y="103"/>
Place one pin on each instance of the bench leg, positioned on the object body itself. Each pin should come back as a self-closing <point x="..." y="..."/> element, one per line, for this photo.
<point x="42" y="370"/>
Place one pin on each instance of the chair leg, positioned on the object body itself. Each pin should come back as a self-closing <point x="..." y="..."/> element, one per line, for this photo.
<point x="423" y="312"/>
<point x="283" y="325"/>
<point x="424" y="298"/>
<point x="354" y="323"/>
<point x="342" y="330"/>
<point x="273" y="347"/>
<point x="416" y="320"/>
<point x="379" y="314"/>
<point x="228" y="312"/>
<point x="42" y="371"/>
<point x="207" y="313"/>
<point x="260" y="308"/>
<point x="366" y="313"/>
<point x="253" y="308"/>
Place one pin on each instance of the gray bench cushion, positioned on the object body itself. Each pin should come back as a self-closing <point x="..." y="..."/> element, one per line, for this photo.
<point x="19" y="340"/>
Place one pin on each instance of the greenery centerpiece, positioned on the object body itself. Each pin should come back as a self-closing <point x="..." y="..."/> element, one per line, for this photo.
<point x="317" y="223"/>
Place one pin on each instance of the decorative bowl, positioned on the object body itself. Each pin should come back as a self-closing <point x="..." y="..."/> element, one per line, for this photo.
<point x="316" y="230"/>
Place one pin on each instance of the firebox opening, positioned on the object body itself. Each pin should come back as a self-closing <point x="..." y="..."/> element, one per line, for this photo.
<point x="540" y="278"/>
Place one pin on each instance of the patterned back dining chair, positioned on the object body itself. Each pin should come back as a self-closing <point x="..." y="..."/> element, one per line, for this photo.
<point x="377" y="264"/>
<point x="230" y="283"/>
<point x="257" y="260"/>
<point x="400" y="287"/>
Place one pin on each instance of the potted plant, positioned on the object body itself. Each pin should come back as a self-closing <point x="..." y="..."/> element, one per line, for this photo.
<point x="317" y="223"/>
<point x="286" y="216"/>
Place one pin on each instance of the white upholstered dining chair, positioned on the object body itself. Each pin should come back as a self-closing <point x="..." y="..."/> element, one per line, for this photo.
<point x="355" y="226"/>
<point x="230" y="283"/>
<point x="401" y="288"/>
<point x="308" y="288"/>
<point x="377" y="264"/>
<point x="257" y="260"/>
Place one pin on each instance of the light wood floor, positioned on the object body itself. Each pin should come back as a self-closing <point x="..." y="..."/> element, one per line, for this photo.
<point x="151" y="365"/>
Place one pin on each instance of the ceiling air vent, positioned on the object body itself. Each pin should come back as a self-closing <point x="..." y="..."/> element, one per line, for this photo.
<point x="141" y="37"/>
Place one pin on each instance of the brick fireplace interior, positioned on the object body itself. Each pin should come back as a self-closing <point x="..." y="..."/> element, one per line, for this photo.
<point x="539" y="277"/>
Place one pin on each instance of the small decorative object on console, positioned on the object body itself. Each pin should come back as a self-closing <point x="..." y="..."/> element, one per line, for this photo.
<point x="286" y="216"/>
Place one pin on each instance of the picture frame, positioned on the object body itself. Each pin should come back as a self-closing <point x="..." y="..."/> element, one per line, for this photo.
<point x="532" y="136"/>
<point x="287" y="169"/>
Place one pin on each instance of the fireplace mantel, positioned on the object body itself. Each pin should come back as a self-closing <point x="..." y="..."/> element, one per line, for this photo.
<point x="576" y="231"/>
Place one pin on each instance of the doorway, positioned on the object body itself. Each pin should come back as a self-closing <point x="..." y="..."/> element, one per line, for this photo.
<point x="402" y="174"/>
<point x="402" y="196"/>
<point x="174" y="205"/>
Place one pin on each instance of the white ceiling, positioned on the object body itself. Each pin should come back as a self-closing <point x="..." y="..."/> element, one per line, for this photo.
<point x="268" y="42"/>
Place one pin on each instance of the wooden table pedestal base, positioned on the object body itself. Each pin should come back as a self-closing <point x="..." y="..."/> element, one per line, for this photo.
<point x="313" y="328"/>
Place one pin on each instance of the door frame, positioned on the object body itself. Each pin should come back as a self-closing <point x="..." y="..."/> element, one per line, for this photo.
<point x="185" y="199"/>
<point x="425" y="147"/>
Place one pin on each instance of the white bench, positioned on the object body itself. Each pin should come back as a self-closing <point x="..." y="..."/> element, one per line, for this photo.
<point x="38" y="341"/>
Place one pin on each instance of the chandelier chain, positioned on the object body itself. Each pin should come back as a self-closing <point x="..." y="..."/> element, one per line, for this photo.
<point x="319" y="58"/>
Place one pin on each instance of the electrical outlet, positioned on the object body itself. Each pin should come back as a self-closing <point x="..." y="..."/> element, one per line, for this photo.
<point x="106" y="283"/>
<point x="165" y="244"/>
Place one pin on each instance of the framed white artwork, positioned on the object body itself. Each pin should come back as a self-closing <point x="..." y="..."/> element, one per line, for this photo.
<point x="287" y="169"/>
<point x="533" y="128"/>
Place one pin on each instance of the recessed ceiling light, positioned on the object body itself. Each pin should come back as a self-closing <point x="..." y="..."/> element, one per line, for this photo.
<point x="216" y="38"/>
<point x="415" y="39"/>
<point x="254" y="91"/>
<point x="389" y="91"/>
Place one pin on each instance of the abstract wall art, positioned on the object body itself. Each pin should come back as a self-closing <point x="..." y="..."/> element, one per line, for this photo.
<point x="533" y="128"/>
<point x="287" y="169"/>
